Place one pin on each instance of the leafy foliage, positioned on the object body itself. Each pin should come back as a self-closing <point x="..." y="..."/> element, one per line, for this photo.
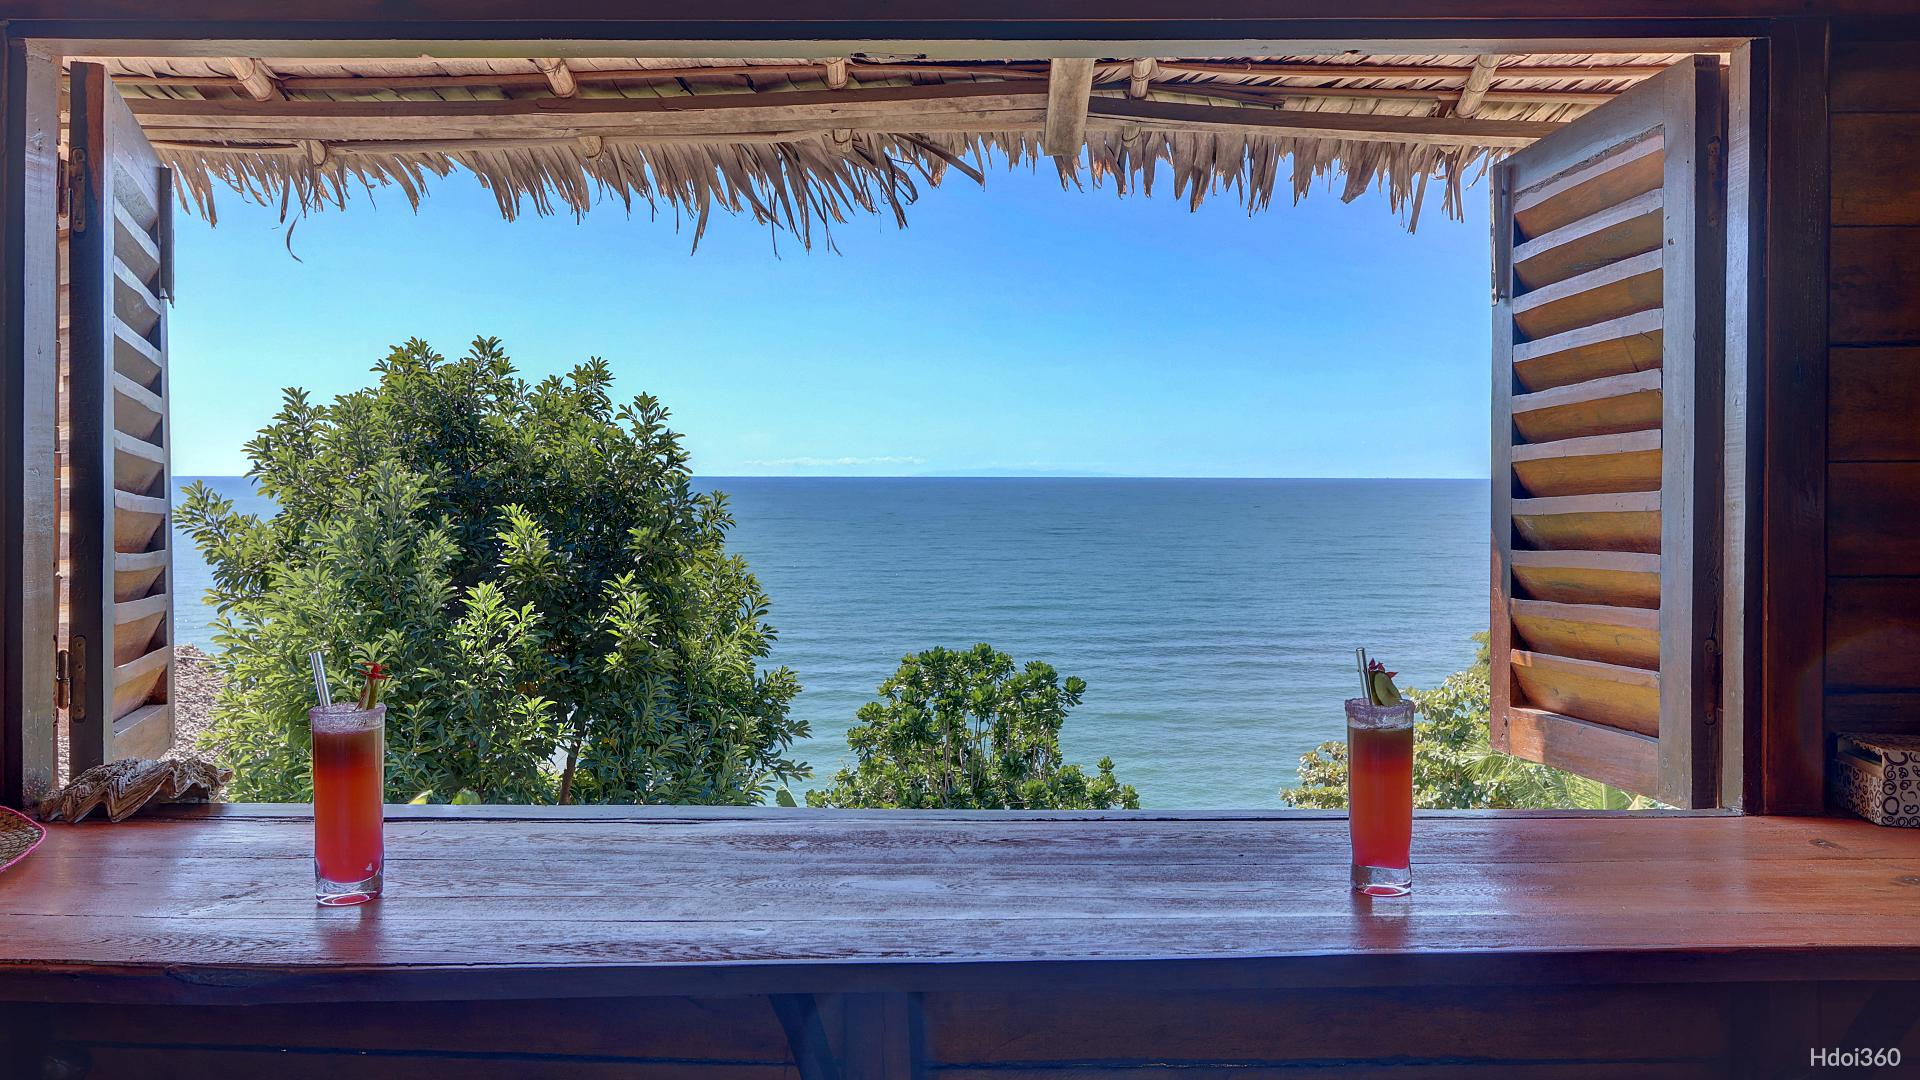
<point x="529" y="559"/>
<point x="965" y="729"/>
<point x="1454" y="766"/>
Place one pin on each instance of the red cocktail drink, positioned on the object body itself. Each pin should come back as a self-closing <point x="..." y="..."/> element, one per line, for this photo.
<point x="1380" y="796"/>
<point x="349" y="755"/>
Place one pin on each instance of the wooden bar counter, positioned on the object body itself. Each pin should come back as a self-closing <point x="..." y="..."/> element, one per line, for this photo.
<point x="706" y="943"/>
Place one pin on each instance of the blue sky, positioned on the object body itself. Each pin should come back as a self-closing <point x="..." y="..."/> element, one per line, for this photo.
<point x="1016" y="328"/>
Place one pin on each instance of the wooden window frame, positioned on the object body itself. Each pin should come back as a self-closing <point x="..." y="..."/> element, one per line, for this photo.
<point x="1774" y="494"/>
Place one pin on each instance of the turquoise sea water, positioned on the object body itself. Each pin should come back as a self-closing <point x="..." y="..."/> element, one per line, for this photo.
<point x="1213" y="620"/>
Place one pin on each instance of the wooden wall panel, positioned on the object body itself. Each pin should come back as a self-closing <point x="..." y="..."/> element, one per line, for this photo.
<point x="1872" y="608"/>
<point x="1876" y="168"/>
<point x="1873" y="634"/>
<point x="1873" y="397"/>
<point x="1405" y="1026"/>
<point x="1873" y="270"/>
<point x="1873" y="520"/>
<point x="1583" y="1030"/>
<point x="1874" y="75"/>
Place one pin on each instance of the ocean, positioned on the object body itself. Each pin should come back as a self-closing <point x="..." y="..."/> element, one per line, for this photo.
<point x="1214" y="621"/>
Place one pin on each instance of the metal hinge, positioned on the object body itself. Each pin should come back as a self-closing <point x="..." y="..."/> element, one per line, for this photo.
<point x="76" y="673"/>
<point x="76" y="202"/>
<point x="62" y="679"/>
<point x="1717" y="176"/>
<point x="1710" y="660"/>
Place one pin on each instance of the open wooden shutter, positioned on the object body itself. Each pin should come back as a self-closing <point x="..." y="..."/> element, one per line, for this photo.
<point x="120" y="572"/>
<point x="1609" y="264"/>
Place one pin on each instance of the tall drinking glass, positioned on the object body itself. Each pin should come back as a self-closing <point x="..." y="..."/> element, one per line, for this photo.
<point x="1380" y="796"/>
<point x="349" y="776"/>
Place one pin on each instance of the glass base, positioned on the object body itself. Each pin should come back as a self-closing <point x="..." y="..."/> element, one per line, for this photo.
<point x="1382" y="880"/>
<point x="346" y="893"/>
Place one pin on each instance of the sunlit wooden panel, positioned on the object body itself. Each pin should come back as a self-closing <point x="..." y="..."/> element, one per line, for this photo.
<point x="1610" y="694"/>
<point x="138" y="521"/>
<point x="1591" y="465"/>
<point x="1620" y="578"/>
<point x="1615" y="347"/>
<point x="1633" y="169"/>
<point x="136" y="682"/>
<point x="1618" y="232"/>
<point x="1599" y="407"/>
<point x="1613" y="635"/>
<point x="138" y="573"/>
<point x="1623" y="522"/>
<point x="1611" y="292"/>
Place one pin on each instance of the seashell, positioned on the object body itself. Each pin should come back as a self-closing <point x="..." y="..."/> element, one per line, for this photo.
<point x="125" y="786"/>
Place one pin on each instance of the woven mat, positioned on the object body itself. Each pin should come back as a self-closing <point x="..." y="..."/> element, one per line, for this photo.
<point x="18" y="836"/>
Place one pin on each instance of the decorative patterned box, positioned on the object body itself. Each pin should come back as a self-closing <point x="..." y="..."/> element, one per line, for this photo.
<point x="1878" y="777"/>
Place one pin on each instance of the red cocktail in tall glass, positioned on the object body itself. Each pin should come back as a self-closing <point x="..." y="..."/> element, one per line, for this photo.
<point x="349" y="776"/>
<point x="1380" y="796"/>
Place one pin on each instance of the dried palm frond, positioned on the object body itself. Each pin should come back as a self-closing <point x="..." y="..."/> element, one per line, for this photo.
<point x="805" y="181"/>
<point x="126" y="785"/>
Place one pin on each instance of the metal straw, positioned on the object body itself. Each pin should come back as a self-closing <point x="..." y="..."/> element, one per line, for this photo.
<point x="319" y="662"/>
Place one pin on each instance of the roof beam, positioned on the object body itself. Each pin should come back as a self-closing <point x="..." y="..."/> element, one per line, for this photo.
<point x="1299" y="124"/>
<point x="958" y="107"/>
<point x="254" y="78"/>
<point x="1252" y="92"/>
<point x="976" y="106"/>
<point x="1477" y="83"/>
<point x="1556" y="72"/>
<point x="1069" y="85"/>
<point x="1161" y="70"/>
<point x="560" y="78"/>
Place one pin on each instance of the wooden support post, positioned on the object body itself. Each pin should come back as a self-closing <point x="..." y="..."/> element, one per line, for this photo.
<point x="1793" y="654"/>
<point x="837" y="73"/>
<point x="880" y="1037"/>
<point x="1744" y="465"/>
<point x="255" y="79"/>
<point x="29" y="169"/>
<point x="1477" y="83"/>
<point x="559" y="76"/>
<point x="1069" y="87"/>
<point x="799" y="1016"/>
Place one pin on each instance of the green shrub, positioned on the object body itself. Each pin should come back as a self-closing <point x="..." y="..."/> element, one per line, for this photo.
<point x="557" y="604"/>
<point x="1454" y="765"/>
<point x="963" y="729"/>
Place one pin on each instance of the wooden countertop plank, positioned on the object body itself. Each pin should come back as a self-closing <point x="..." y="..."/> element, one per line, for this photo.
<point x="220" y="908"/>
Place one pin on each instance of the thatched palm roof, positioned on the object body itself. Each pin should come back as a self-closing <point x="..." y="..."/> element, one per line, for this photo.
<point x="802" y="143"/>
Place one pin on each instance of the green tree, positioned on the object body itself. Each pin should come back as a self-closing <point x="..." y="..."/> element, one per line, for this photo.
<point x="556" y="602"/>
<point x="1454" y="765"/>
<point x="965" y="729"/>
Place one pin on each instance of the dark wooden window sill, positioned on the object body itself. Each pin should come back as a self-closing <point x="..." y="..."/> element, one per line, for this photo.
<point x="213" y="905"/>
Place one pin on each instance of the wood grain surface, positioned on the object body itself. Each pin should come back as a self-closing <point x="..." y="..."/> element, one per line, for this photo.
<point x="220" y="909"/>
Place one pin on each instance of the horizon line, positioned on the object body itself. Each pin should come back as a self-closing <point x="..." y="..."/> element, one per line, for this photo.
<point x="965" y="476"/>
